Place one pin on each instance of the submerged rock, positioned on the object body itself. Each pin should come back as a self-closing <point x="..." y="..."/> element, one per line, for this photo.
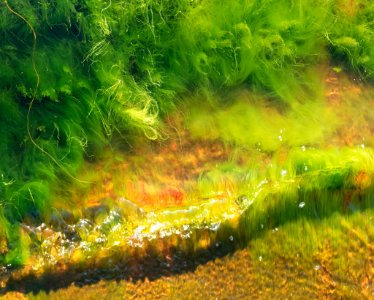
<point x="128" y="208"/>
<point x="96" y="213"/>
<point x="60" y="218"/>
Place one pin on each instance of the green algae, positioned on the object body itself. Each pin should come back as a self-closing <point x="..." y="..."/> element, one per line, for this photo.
<point x="110" y="71"/>
<point x="329" y="258"/>
<point x="282" y="233"/>
<point x="351" y="34"/>
<point x="238" y="122"/>
<point x="337" y="181"/>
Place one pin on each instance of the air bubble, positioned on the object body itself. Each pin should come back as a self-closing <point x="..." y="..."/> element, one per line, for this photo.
<point x="100" y="240"/>
<point x="215" y="227"/>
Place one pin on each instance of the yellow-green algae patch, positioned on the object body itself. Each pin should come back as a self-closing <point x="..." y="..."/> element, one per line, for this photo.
<point x="217" y="193"/>
<point x="80" y="75"/>
<point x="337" y="180"/>
<point x="331" y="258"/>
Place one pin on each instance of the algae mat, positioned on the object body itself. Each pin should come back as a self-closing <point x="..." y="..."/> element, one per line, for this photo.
<point x="283" y="218"/>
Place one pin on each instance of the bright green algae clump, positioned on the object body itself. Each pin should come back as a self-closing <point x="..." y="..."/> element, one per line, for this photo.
<point x="105" y="72"/>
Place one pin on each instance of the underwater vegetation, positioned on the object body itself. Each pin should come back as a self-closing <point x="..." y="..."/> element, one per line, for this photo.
<point x="112" y="242"/>
<point x="77" y="76"/>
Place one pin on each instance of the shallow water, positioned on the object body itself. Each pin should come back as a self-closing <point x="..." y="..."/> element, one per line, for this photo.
<point x="186" y="149"/>
<point x="210" y="214"/>
<point x="329" y="259"/>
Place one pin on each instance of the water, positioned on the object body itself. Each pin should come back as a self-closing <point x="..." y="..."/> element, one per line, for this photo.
<point x="200" y="226"/>
<point x="186" y="150"/>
